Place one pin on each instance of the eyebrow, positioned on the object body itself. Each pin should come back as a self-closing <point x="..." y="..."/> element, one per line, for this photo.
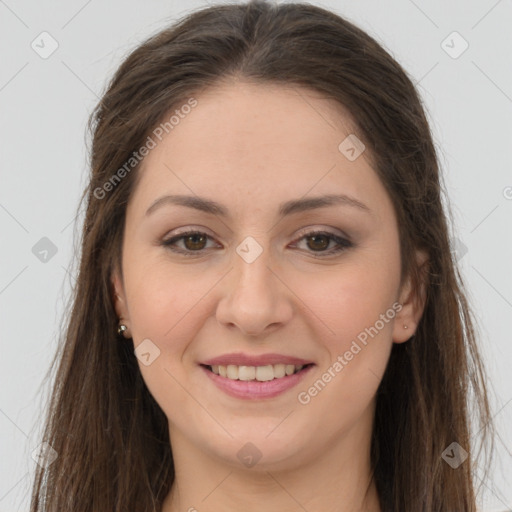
<point x="286" y="208"/>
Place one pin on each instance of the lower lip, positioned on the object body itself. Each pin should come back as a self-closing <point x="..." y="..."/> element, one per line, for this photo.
<point x="253" y="389"/>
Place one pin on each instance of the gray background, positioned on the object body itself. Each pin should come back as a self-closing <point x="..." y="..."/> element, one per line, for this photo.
<point x="44" y="107"/>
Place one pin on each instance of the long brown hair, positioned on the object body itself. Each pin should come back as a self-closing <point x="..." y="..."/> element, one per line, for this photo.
<point x="110" y="435"/>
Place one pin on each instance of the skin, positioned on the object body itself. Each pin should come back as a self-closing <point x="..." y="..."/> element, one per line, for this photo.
<point x="251" y="147"/>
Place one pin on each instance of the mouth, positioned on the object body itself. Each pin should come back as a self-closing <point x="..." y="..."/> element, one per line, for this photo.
<point x="256" y="373"/>
<point x="256" y="382"/>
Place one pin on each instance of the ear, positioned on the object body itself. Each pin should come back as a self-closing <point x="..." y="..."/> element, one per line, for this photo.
<point x="119" y="296"/>
<point x="412" y="301"/>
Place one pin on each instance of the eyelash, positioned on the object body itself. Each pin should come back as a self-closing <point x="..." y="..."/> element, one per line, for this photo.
<point x="343" y="244"/>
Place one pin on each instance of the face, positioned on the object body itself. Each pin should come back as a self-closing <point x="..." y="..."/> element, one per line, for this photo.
<point x="266" y="277"/>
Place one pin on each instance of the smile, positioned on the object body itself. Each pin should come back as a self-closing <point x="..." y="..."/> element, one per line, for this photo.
<point x="259" y="373"/>
<point x="256" y="382"/>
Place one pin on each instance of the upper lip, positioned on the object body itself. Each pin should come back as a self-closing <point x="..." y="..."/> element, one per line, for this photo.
<point x="240" y="359"/>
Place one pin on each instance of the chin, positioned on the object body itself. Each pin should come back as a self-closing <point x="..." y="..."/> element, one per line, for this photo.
<point x="260" y="447"/>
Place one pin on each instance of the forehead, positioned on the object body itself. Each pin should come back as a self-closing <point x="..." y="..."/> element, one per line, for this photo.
<point x="266" y="115"/>
<point x="247" y="142"/>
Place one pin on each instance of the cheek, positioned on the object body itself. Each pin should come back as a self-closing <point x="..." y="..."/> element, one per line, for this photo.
<point x="353" y="309"/>
<point x="167" y="307"/>
<point x="161" y="296"/>
<point x="350" y="298"/>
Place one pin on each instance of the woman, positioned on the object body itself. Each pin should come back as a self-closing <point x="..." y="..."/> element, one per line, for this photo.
<point x="265" y="234"/>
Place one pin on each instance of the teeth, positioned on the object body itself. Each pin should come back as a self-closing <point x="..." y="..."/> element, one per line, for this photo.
<point x="232" y="372"/>
<point x="246" y="372"/>
<point x="289" y="369"/>
<point x="264" y="373"/>
<point x="259" y="373"/>
<point x="279" y="371"/>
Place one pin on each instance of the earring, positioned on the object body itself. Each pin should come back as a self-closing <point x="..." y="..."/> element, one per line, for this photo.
<point x="405" y="327"/>
<point x="121" y="329"/>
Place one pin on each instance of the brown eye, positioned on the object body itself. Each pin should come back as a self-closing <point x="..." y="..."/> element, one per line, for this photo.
<point x="318" y="242"/>
<point x="188" y="243"/>
<point x="194" y="242"/>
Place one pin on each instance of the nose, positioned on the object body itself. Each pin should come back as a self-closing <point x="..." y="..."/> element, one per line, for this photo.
<point x="254" y="298"/>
